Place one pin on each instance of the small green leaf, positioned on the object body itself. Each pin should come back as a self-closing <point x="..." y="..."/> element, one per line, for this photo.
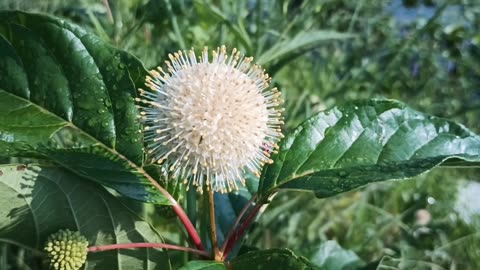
<point x="363" y="142"/>
<point x="203" y="265"/>
<point x="389" y="263"/>
<point x="68" y="96"/>
<point x="37" y="201"/>
<point x="278" y="259"/>
<point x="331" y="256"/>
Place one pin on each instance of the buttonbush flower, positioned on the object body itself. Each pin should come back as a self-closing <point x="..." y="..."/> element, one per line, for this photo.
<point x="207" y="121"/>
<point x="66" y="250"/>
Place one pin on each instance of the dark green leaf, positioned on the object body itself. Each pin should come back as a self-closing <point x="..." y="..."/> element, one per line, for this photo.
<point x="332" y="256"/>
<point x="203" y="265"/>
<point x="229" y="205"/>
<point x="363" y="142"/>
<point x="68" y="96"/>
<point x="278" y="259"/>
<point x="37" y="201"/>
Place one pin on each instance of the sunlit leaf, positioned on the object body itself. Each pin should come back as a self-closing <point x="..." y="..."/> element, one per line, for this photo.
<point x="363" y="142"/>
<point x="68" y="96"/>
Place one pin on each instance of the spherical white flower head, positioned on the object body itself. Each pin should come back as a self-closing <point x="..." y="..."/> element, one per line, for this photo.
<point x="208" y="121"/>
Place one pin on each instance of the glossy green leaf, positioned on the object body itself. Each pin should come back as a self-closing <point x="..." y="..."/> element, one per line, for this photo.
<point x="278" y="259"/>
<point x="203" y="265"/>
<point x="37" y="201"/>
<point x="331" y="256"/>
<point x="68" y="96"/>
<point x="363" y="142"/>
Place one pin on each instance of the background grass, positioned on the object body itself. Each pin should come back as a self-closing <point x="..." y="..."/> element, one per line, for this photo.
<point x="321" y="53"/>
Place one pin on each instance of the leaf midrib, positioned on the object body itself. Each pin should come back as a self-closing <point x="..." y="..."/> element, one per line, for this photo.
<point x="414" y="116"/>
<point x="310" y="172"/>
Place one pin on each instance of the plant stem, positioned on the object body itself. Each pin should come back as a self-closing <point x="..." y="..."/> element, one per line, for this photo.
<point x="109" y="11"/>
<point x="213" y="225"/>
<point x="241" y="230"/>
<point x="147" y="245"/>
<point x="176" y="28"/>
<point x="188" y="226"/>
<point x="192" y="232"/>
<point x="237" y="221"/>
<point x="177" y="208"/>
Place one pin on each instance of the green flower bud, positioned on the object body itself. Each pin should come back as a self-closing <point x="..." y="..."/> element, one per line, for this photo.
<point x="67" y="250"/>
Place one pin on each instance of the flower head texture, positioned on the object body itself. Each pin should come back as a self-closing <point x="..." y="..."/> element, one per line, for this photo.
<point x="207" y="121"/>
<point x="67" y="250"/>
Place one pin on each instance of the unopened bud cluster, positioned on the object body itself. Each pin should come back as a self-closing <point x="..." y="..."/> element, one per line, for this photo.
<point x="67" y="250"/>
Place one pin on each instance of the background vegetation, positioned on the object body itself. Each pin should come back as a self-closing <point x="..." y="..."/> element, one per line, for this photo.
<point x="425" y="53"/>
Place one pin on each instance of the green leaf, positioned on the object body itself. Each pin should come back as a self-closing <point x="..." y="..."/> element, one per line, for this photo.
<point x="332" y="256"/>
<point x="229" y="205"/>
<point x="278" y="259"/>
<point x="37" y="201"/>
<point x="68" y="96"/>
<point x="203" y="265"/>
<point x="389" y="263"/>
<point x="303" y="42"/>
<point x="363" y="142"/>
<point x="237" y="28"/>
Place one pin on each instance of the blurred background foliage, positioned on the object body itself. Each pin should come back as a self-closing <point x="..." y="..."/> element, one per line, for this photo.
<point x="321" y="53"/>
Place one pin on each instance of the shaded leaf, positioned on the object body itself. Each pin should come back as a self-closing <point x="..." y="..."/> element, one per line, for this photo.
<point x="37" y="201"/>
<point x="331" y="256"/>
<point x="229" y="205"/>
<point x="390" y="263"/>
<point x="279" y="259"/>
<point x="68" y="96"/>
<point x="203" y="265"/>
<point x="362" y="142"/>
<point x="227" y="208"/>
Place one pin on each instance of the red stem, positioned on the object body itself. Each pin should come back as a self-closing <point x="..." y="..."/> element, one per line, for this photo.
<point x="237" y="221"/>
<point x="176" y="207"/>
<point x="147" y="245"/>
<point x="188" y="226"/>
<point x="180" y="213"/>
<point x="238" y="233"/>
